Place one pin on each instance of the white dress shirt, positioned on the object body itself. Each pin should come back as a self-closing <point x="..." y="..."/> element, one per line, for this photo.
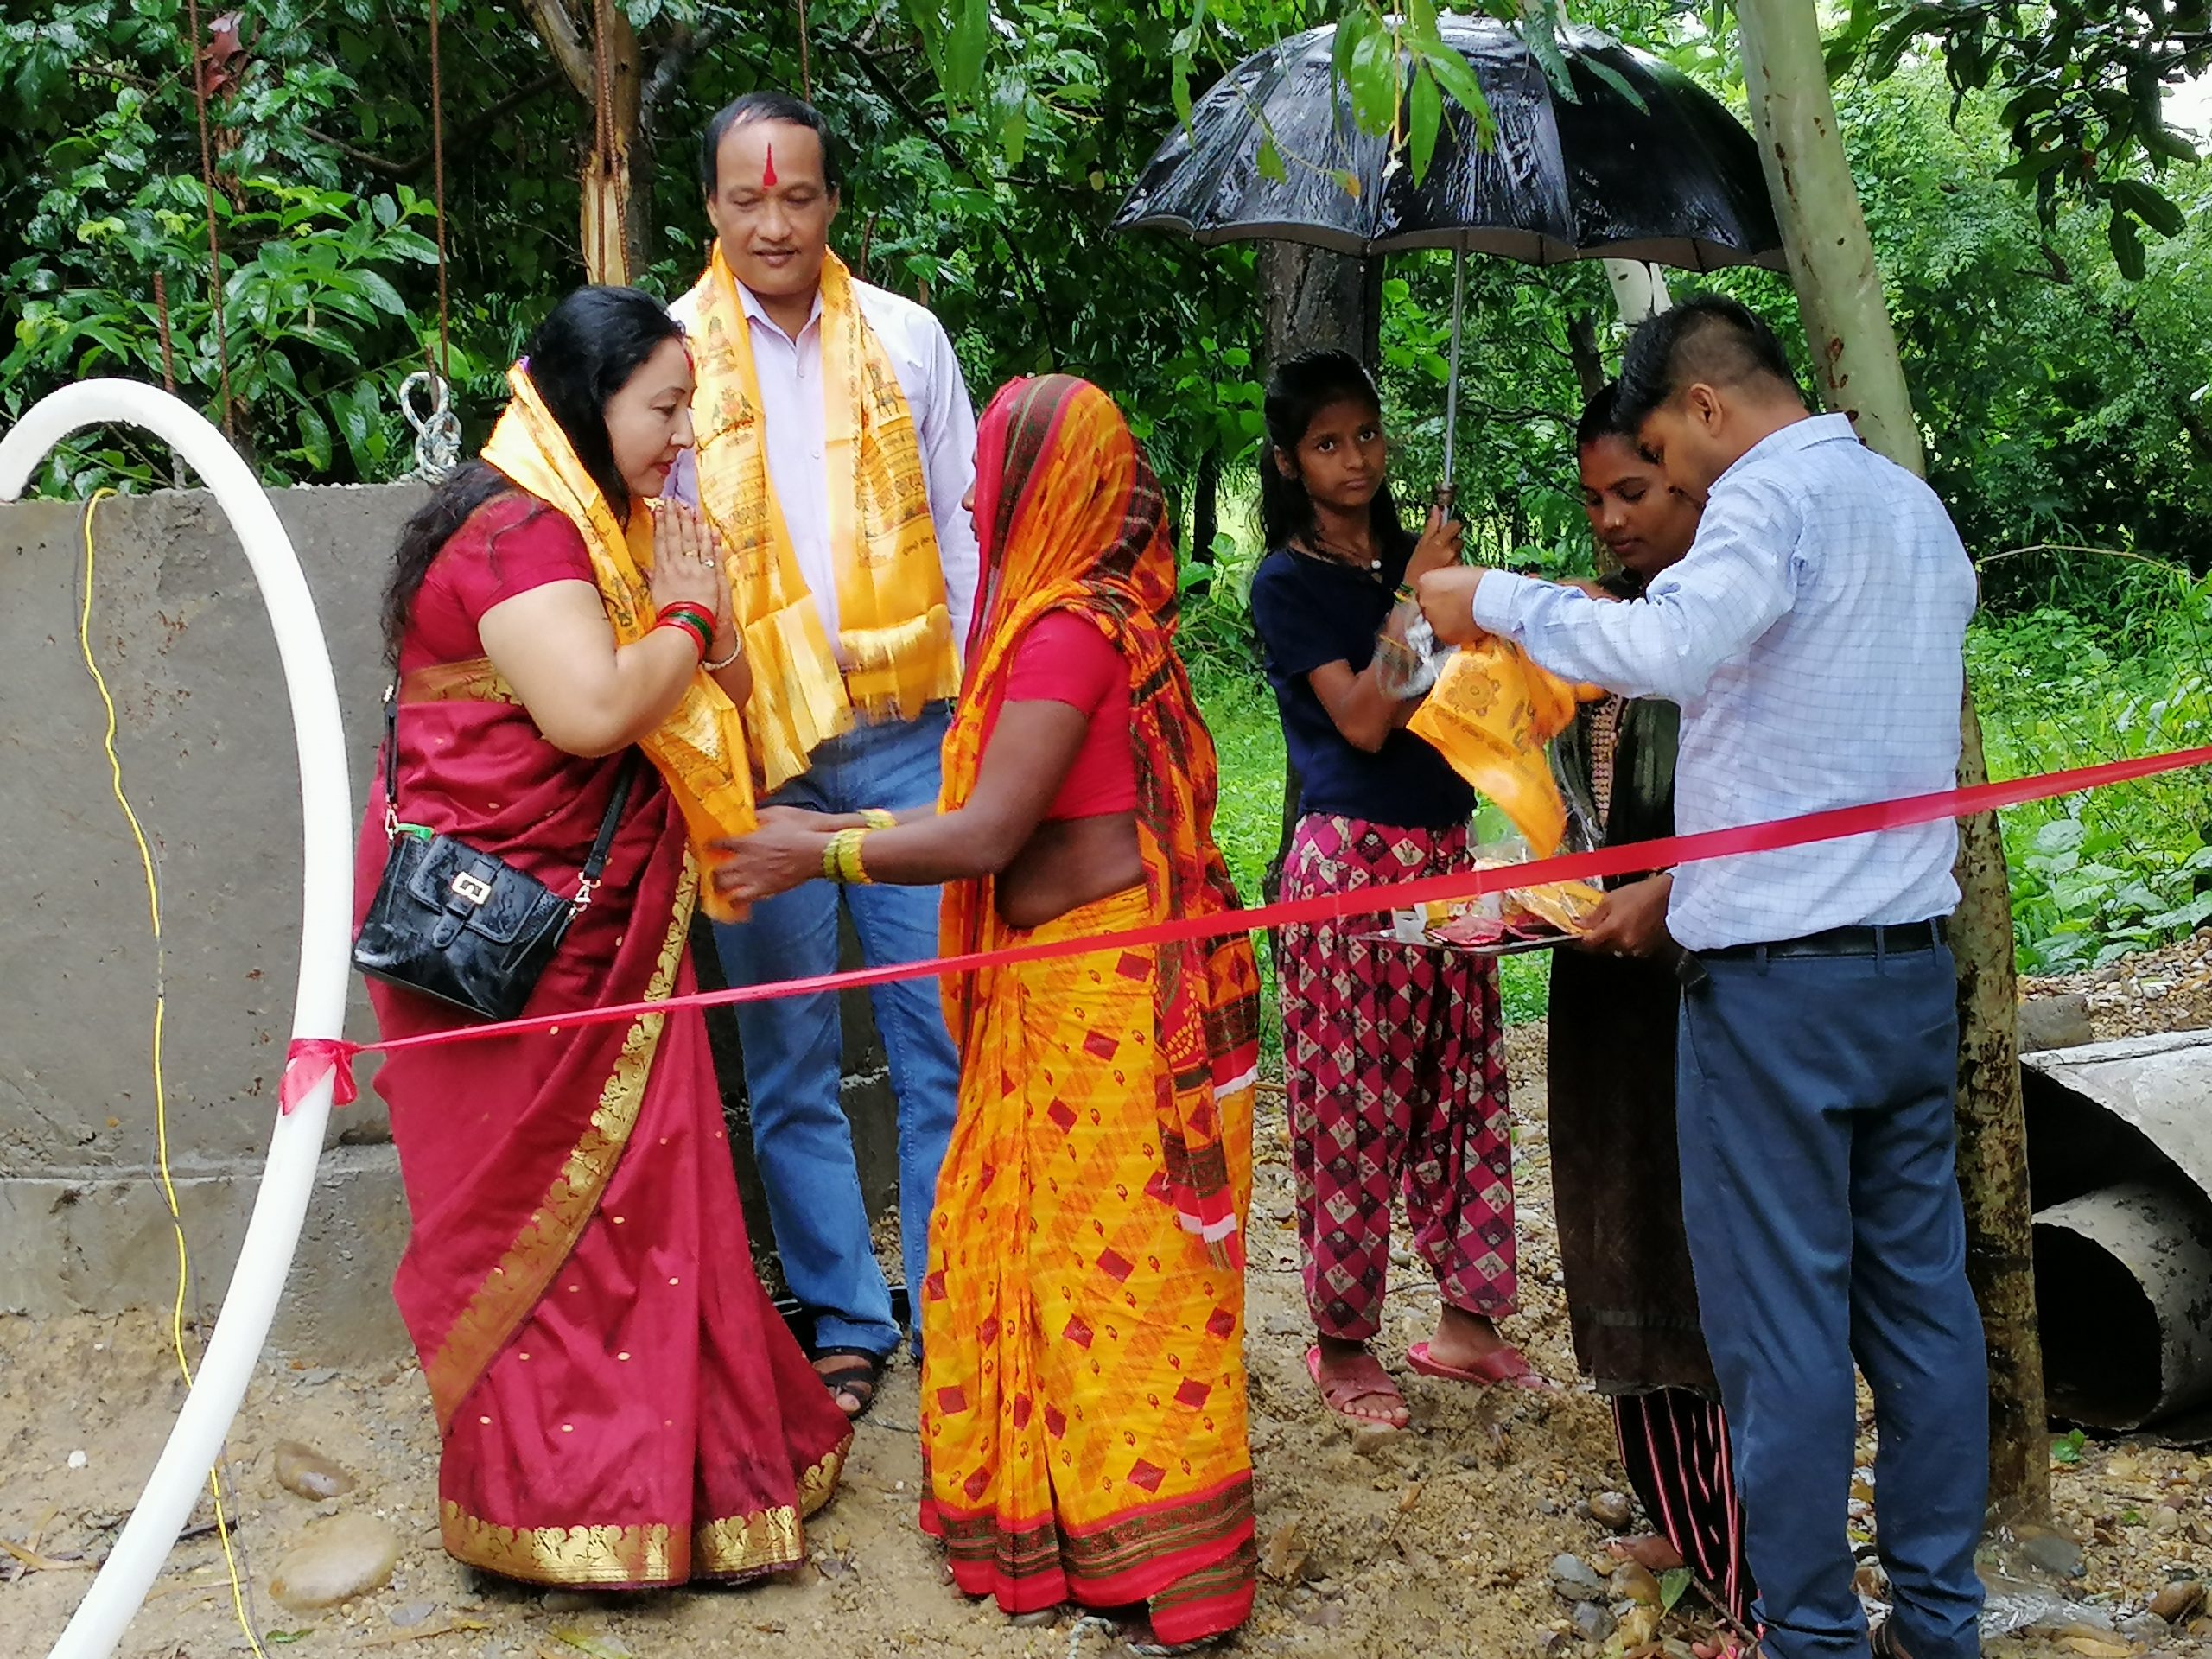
<point x="1814" y="638"/>
<point x="789" y="373"/>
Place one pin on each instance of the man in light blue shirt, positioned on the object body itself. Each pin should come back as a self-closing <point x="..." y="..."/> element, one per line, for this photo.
<point x="1813" y="637"/>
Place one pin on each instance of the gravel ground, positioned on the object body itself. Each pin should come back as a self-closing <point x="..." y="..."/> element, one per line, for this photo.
<point x="2167" y="990"/>
<point x="1441" y="1540"/>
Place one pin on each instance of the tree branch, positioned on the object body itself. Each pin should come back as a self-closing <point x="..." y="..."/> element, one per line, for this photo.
<point x="490" y="116"/>
<point x="554" y="25"/>
<point x="1024" y="275"/>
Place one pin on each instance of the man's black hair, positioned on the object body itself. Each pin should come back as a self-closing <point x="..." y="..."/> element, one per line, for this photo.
<point x="1706" y="338"/>
<point x="766" y="106"/>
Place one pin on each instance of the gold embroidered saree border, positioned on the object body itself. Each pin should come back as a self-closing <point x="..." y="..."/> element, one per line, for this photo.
<point x="517" y="1282"/>
<point x="740" y="1546"/>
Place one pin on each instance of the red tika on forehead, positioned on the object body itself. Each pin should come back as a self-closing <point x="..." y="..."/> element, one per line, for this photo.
<point x="768" y="172"/>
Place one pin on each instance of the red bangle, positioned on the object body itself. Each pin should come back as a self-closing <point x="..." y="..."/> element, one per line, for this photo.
<point x="688" y="627"/>
<point x="688" y="610"/>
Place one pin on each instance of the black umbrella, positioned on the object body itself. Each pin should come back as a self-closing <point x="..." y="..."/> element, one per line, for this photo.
<point x="1676" y="181"/>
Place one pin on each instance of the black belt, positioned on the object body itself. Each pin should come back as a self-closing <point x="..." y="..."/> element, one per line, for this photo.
<point x="1893" y="939"/>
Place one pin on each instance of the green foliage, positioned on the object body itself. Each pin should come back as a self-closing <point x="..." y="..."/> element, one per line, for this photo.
<point x="2117" y="869"/>
<point x="2080" y="84"/>
<point x="2060" y="402"/>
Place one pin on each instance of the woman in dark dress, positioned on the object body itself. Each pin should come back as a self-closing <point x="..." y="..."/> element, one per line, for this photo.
<point x="1616" y="1178"/>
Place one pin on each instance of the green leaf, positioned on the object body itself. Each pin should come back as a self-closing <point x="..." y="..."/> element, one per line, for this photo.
<point x="2126" y="245"/>
<point x="1374" y="80"/>
<point x="972" y="37"/>
<point x="1619" y="82"/>
<point x="286" y="1638"/>
<point x="1271" y="167"/>
<point x="1426" y="120"/>
<point x="378" y="292"/>
<point x="1674" y="1584"/>
<point x="314" y="438"/>
<point x="1457" y="79"/>
<point x="2150" y="206"/>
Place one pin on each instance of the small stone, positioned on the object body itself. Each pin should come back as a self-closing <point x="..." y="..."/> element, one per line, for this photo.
<point x="1324" y="1615"/>
<point x="1593" y="1621"/>
<point x="2178" y="1600"/>
<point x="2165" y="1518"/>
<point x="1632" y="1581"/>
<point x="1573" y="1578"/>
<point x="334" y="1561"/>
<point x="1373" y="1439"/>
<point x="412" y="1614"/>
<point x="1612" y="1510"/>
<point x="565" y="1601"/>
<point x="78" y="1460"/>
<point x="1639" y="1626"/>
<point x="2053" y="1552"/>
<point x="2048" y="1022"/>
<point x="306" y="1472"/>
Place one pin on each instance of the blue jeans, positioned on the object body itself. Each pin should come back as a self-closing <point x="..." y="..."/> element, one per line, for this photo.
<point x="794" y="1046"/>
<point x="1815" y="1121"/>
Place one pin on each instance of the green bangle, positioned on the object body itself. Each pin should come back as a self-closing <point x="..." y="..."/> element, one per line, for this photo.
<point x="1405" y="595"/>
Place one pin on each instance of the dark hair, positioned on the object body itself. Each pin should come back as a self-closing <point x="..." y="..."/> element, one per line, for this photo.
<point x="1707" y="339"/>
<point x="585" y="351"/>
<point x="1300" y="389"/>
<point x="1601" y="419"/>
<point x="766" y="106"/>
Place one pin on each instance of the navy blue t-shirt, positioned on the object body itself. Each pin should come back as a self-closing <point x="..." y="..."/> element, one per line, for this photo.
<point x="1310" y="613"/>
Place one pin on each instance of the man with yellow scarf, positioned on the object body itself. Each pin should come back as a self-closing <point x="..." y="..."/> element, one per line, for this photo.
<point x="835" y="441"/>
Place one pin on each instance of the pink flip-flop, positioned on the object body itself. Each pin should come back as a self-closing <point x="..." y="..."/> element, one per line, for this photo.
<point x="1506" y="1365"/>
<point x="1364" y="1379"/>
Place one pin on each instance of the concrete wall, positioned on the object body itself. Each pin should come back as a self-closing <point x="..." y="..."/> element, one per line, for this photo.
<point x="204" y="731"/>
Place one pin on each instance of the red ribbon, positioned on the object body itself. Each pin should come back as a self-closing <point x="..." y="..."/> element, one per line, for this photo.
<point x="307" y="1062"/>
<point x="311" y="1057"/>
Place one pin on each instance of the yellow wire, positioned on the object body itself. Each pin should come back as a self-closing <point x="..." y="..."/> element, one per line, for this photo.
<point x="161" y="1093"/>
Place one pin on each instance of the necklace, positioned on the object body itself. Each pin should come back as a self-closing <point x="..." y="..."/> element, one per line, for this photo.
<point x="1351" y="558"/>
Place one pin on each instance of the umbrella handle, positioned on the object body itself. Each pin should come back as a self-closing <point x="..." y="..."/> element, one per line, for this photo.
<point x="1446" y="493"/>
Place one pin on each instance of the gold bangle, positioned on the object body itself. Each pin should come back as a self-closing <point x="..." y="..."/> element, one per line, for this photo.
<point x="736" y="651"/>
<point x="876" y="818"/>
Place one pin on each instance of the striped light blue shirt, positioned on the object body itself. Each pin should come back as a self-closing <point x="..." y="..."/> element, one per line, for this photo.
<point x="1813" y="637"/>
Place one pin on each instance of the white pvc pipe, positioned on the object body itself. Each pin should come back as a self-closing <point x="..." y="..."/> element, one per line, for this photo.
<point x="326" y="929"/>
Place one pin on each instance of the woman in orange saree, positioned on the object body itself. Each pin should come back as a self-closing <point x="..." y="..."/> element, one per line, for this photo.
<point x="617" y="1403"/>
<point x="1083" y="1374"/>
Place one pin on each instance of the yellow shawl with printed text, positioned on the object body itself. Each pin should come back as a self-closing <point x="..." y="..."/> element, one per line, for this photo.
<point x="700" y="748"/>
<point x="1490" y="714"/>
<point x="893" y="630"/>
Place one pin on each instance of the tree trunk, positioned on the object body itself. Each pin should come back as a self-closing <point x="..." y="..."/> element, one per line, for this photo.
<point x="1855" y="353"/>
<point x="1582" y="351"/>
<point x="1312" y="299"/>
<point x="608" y="74"/>
<point x="1205" y="516"/>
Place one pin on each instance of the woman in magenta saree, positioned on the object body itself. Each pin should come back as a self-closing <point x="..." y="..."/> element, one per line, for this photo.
<point x="618" y="1401"/>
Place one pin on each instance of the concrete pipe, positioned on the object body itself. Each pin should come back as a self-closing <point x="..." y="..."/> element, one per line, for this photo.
<point x="2124" y="1296"/>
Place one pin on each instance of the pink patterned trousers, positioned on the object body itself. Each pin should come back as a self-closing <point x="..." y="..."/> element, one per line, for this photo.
<point x="1395" y="1072"/>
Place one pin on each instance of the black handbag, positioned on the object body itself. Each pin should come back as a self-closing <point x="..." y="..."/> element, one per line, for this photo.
<point x="462" y="926"/>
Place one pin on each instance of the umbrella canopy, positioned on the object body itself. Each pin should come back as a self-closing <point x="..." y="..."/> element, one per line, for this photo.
<point x="1676" y="183"/>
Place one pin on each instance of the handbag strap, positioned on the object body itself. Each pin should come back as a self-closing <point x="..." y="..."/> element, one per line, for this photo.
<point x="602" y="844"/>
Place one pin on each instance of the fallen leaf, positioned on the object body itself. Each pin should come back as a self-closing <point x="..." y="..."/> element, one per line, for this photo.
<point x="1413" y="1497"/>
<point x="593" y="1645"/>
<point x="2092" y="1648"/>
<point x="36" y="1562"/>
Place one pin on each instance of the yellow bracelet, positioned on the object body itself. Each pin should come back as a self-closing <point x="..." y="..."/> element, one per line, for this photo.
<point x="876" y="818"/>
<point x="830" y="858"/>
<point x="843" y="859"/>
